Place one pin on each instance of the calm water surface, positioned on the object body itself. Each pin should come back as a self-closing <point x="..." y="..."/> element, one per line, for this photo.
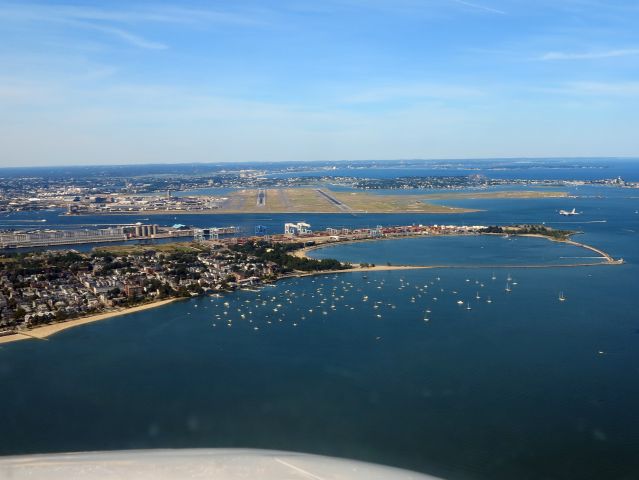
<point x="387" y="367"/>
<point x="472" y="250"/>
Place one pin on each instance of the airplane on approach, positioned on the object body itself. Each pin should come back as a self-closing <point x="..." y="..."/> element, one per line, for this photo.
<point x="568" y="213"/>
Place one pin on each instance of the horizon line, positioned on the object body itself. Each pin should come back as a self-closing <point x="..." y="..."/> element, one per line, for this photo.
<point x="270" y="162"/>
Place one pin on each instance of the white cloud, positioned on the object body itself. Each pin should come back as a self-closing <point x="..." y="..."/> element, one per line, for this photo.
<point x="601" y="88"/>
<point x="158" y="123"/>
<point x="128" y="37"/>
<point x="480" y="7"/>
<point x="590" y="55"/>
<point x="156" y="14"/>
<point x="411" y="91"/>
<point x="118" y="22"/>
<point x="13" y="92"/>
<point x="405" y="7"/>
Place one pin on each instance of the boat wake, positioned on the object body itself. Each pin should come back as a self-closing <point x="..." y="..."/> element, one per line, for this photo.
<point x="577" y="223"/>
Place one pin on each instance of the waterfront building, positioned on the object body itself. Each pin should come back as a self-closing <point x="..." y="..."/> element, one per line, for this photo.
<point x="299" y="228"/>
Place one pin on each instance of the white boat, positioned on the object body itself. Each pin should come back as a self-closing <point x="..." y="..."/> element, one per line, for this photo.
<point x="489" y="300"/>
<point x="477" y="296"/>
<point x="468" y="306"/>
<point x="508" y="289"/>
<point x="561" y="297"/>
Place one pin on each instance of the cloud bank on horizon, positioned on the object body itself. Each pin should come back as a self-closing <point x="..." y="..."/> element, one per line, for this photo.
<point x="90" y="81"/>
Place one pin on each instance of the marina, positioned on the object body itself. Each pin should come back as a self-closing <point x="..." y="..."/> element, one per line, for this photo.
<point x="365" y="329"/>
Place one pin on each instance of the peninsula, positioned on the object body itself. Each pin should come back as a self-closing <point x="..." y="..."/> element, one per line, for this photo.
<point x="43" y="293"/>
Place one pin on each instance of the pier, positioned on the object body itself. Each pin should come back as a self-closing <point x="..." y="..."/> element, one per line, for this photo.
<point x="603" y="254"/>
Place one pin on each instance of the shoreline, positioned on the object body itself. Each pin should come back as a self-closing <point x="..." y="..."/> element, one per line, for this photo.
<point x="446" y="211"/>
<point x="607" y="259"/>
<point x="45" y="331"/>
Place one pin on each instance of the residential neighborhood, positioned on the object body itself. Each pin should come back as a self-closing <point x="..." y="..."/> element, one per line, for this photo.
<point x="38" y="288"/>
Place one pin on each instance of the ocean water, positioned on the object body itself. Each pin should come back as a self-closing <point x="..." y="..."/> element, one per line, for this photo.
<point x="387" y="367"/>
<point x="523" y="387"/>
<point x="596" y="204"/>
<point x="556" y="169"/>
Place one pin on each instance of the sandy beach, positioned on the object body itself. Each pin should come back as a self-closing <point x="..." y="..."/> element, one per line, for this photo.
<point x="358" y="269"/>
<point x="46" y="331"/>
<point x="607" y="259"/>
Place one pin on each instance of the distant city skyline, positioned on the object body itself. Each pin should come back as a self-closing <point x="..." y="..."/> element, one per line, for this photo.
<point x="103" y="82"/>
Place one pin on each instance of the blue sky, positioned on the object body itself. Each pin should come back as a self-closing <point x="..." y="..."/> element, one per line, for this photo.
<point x="132" y="82"/>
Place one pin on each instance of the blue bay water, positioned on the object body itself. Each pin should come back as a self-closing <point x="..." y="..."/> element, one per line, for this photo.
<point x="460" y="251"/>
<point x="492" y="392"/>
<point x="558" y="169"/>
<point x="523" y="387"/>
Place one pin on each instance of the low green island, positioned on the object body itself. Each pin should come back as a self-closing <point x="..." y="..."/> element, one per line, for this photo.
<point x="536" y="230"/>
